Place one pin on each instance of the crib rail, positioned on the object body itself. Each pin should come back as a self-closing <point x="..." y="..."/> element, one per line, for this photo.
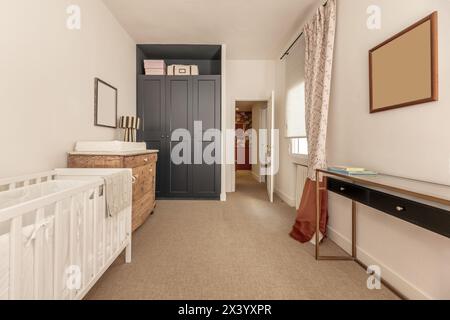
<point x="84" y="243"/>
<point x="20" y="209"/>
<point x="23" y="181"/>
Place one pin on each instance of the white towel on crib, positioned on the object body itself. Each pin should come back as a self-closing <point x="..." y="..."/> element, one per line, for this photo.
<point x="118" y="192"/>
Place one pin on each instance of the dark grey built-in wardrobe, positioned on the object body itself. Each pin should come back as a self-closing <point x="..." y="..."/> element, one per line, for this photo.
<point x="168" y="103"/>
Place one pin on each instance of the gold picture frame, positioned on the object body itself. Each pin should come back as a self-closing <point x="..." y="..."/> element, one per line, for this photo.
<point x="404" y="69"/>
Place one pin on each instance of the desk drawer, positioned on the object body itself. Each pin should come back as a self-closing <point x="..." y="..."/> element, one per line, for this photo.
<point x="348" y="190"/>
<point x="425" y="216"/>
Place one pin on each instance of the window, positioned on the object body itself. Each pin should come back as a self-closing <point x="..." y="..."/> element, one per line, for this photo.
<point x="295" y="111"/>
<point x="299" y="146"/>
<point x="295" y="100"/>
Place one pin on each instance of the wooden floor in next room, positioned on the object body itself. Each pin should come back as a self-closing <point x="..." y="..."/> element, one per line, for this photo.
<point x="238" y="249"/>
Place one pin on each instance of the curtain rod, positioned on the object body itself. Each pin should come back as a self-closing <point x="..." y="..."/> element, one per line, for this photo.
<point x="295" y="41"/>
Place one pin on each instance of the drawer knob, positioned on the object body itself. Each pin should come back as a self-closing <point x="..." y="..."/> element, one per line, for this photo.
<point x="146" y="160"/>
<point x="400" y="208"/>
<point x="134" y="178"/>
<point x="342" y="188"/>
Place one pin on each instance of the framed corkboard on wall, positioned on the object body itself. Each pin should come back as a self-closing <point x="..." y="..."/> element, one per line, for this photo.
<point x="404" y="68"/>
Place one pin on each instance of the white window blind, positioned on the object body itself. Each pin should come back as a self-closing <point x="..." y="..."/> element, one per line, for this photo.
<point x="295" y="91"/>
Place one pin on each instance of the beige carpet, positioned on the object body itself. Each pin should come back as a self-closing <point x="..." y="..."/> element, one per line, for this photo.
<point x="239" y="249"/>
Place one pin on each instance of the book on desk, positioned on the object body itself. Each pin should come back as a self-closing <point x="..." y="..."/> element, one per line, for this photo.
<point x="352" y="171"/>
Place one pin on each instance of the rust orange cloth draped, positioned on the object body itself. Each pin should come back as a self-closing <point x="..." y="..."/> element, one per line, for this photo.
<point x="305" y="225"/>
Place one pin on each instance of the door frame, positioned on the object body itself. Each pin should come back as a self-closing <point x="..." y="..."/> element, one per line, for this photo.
<point x="233" y="146"/>
<point x="224" y="115"/>
<point x="273" y="146"/>
<point x="262" y="120"/>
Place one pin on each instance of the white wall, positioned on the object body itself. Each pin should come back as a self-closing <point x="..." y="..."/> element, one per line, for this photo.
<point x="246" y="80"/>
<point x="285" y="180"/>
<point x="410" y="142"/>
<point x="47" y="80"/>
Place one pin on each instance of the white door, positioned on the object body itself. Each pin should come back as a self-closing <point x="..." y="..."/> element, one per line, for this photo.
<point x="270" y="146"/>
<point x="263" y="142"/>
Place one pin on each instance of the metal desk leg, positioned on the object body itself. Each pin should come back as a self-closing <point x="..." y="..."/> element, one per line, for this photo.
<point x="318" y="211"/>
<point x="354" y="249"/>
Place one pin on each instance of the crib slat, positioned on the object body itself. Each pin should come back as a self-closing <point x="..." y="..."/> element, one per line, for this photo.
<point x="104" y="218"/>
<point x="15" y="258"/>
<point x="38" y="256"/>
<point x="111" y="236"/>
<point x="117" y="222"/>
<point x="84" y="271"/>
<point x="57" y="252"/>
<point x="94" y="233"/>
<point x="72" y="240"/>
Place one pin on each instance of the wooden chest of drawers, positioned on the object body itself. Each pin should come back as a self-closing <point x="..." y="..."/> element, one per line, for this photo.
<point x="144" y="176"/>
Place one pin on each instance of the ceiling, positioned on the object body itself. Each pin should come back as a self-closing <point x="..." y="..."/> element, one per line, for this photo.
<point x="251" y="29"/>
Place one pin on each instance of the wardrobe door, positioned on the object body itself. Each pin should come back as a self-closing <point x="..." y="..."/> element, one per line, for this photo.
<point x="152" y="111"/>
<point x="179" y="116"/>
<point x="207" y="112"/>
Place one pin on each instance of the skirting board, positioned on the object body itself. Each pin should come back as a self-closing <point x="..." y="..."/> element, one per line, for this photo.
<point x="257" y="178"/>
<point x="393" y="278"/>
<point x="290" y="201"/>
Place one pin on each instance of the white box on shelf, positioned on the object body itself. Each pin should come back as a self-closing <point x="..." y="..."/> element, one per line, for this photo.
<point x="155" y="72"/>
<point x="182" y="70"/>
<point x="154" y="64"/>
<point x="194" y="70"/>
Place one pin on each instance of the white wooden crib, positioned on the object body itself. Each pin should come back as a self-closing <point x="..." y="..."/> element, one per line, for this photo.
<point x="56" y="239"/>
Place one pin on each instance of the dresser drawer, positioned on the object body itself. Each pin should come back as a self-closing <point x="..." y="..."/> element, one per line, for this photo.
<point x="428" y="217"/>
<point x="142" y="209"/>
<point x="143" y="180"/>
<point x="352" y="191"/>
<point x="95" y="162"/>
<point x="139" y="161"/>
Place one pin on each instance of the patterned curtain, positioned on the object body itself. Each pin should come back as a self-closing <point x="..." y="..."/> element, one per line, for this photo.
<point x="319" y="38"/>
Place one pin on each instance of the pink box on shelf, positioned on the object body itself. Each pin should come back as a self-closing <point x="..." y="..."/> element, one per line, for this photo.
<point x="155" y="72"/>
<point x="154" y="64"/>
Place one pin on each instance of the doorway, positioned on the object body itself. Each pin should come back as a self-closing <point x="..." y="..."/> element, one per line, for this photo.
<point x="243" y="127"/>
<point x="251" y="117"/>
